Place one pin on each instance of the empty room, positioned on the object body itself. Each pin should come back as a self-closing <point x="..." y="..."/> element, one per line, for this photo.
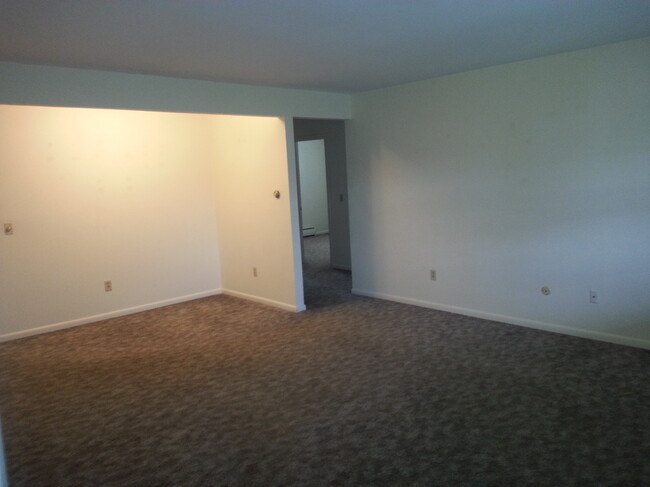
<point x="456" y="293"/>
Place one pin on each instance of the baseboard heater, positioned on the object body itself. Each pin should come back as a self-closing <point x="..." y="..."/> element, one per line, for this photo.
<point x="308" y="231"/>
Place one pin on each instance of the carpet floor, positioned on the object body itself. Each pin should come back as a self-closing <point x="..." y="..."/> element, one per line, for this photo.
<point x="355" y="391"/>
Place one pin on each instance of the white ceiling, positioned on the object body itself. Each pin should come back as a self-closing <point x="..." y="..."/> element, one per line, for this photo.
<point x="328" y="45"/>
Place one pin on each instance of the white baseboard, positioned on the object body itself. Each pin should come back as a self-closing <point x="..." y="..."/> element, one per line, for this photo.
<point x="512" y="320"/>
<point x="104" y="316"/>
<point x="269" y="302"/>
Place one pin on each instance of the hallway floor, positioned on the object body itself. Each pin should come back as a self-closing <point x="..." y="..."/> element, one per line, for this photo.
<point x="324" y="286"/>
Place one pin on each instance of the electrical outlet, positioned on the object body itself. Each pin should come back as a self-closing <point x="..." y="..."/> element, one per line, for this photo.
<point x="9" y="229"/>
<point x="432" y="275"/>
<point x="546" y="290"/>
<point x="594" y="298"/>
<point x="108" y="286"/>
<point x="254" y="271"/>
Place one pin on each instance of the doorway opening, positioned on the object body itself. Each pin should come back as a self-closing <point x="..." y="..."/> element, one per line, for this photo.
<point x="324" y="216"/>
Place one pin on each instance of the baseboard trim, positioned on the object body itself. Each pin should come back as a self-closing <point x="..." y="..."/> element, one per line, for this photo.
<point x="261" y="300"/>
<point x="513" y="320"/>
<point x="104" y="316"/>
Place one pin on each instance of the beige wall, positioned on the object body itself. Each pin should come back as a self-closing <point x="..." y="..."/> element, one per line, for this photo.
<point x="255" y="228"/>
<point x="133" y="197"/>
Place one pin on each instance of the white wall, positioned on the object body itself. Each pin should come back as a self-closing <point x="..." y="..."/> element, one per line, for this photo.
<point x="255" y="228"/>
<point x="508" y="179"/>
<point x="98" y="195"/>
<point x="313" y="185"/>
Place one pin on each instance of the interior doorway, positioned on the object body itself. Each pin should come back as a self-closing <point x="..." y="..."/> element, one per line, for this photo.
<point x="324" y="216"/>
<point x="312" y="173"/>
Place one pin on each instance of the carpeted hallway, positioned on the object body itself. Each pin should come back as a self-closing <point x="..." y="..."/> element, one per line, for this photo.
<point x="355" y="391"/>
<point x="324" y="286"/>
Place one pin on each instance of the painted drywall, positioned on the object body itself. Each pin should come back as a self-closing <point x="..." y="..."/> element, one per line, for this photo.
<point x="313" y="186"/>
<point x="508" y="179"/>
<point x="66" y="87"/>
<point x="333" y="132"/>
<point x="133" y="197"/>
<point x="255" y="228"/>
<point x="22" y="84"/>
<point x="97" y="195"/>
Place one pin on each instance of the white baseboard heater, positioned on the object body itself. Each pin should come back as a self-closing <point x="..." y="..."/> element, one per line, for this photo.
<point x="308" y="231"/>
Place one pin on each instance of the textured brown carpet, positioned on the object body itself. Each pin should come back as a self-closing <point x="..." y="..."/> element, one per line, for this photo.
<point x="355" y="391"/>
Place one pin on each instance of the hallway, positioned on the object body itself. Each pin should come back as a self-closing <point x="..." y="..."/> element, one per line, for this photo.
<point x="324" y="286"/>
